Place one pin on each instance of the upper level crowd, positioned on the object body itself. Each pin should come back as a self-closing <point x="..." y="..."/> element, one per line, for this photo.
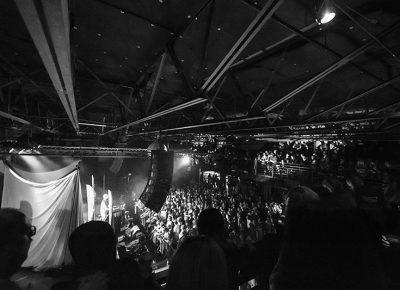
<point x="369" y="160"/>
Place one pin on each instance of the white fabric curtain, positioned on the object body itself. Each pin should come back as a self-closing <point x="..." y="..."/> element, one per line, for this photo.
<point x="91" y="197"/>
<point x="55" y="208"/>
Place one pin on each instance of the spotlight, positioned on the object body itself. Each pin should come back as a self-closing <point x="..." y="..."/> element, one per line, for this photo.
<point x="186" y="160"/>
<point x="326" y="12"/>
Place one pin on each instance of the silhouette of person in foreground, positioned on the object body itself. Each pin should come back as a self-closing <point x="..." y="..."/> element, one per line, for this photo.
<point x="93" y="249"/>
<point x="211" y="224"/>
<point x="92" y="246"/>
<point x="198" y="264"/>
<point x="326" y="245"/>
<point x="16" y="234"/>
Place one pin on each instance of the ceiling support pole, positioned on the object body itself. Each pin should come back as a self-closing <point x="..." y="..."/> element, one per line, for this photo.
<point x="107" y="88"/>
<point x="186" y="83"/>
<point x="255" y="26"/>
<point x="211" y="103"/>
<point x="363" y="94"/>
<point x="162" y="113"/>
<point x="271" y="78"/>
<point x="301" y="33"/>
<point x="157" y="80"/>
<point x="23" y="121"/>
<point x="384" y="108"/>
<point x="92" y="102"/>
<point x="48" y="24"/>
<point x="329" y="70"/>
<point x="367" y="31"/>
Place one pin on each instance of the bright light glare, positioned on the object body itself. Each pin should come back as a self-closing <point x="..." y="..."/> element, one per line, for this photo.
<point x="185" y="160"/>
<point x="328" y="16"/>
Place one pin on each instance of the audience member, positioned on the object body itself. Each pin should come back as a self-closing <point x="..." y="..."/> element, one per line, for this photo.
<point x="198" y="264"/>
<point x="126" y="275"/>
<point x="146" y="272"/>
<point x="326" y="246"/>
<point x="211" y="224"/>
<point x="93" y="249"/>
<point x="16" y="234"/>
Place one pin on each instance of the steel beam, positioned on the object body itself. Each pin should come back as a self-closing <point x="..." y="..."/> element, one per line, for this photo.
<point x="330" y="69"/>
<point x="206" y="37"/>
<point x="255" y="26"/>
<point x="19" y="79"/>
<point x="107" y="88"/>
<point x="262" y="54"/>
<point x="156" y="81"/>
<point x="301" y="33"/>
<point x="266" y="88"/>
<point x="384" y="108"/>
<point x="186" y="83"/>
<point x="392" y="126"/>
<point x="391" y="116"/>
<point x="313" y="96"/>
<point x="133" y="13"/>
<point x="338" y="6"/>
<point x="48" y="24"/>
<point x="201" y="125"/>
<point x="92" y="102"/>
<point x="363" y="94"/>
<point x="23" y="121"/>
<point x="162" y="113"/>
<point x="213" y="100"/>
<point x="23" y="75"/>
<point x="378" y="126"/>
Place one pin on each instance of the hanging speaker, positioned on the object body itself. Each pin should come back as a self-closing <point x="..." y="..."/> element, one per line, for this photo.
<point x="159" y="183"/>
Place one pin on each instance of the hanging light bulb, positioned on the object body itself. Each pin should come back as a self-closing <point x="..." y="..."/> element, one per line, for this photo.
<point x="326" y="12"/>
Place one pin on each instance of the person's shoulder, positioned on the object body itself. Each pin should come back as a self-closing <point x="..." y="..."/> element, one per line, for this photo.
<point x="6" y="284"/>
<point x="65" y="285"/>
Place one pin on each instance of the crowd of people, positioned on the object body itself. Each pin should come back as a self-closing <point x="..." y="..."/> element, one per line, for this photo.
<point x="326" y="242"/>
<point x="369" y="160"/>
<point x="219" y="235"/>
<point x="247" y="217"/>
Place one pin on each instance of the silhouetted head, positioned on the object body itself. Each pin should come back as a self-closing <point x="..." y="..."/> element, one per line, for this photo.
<point x="126" y="275"/>
<point x="93" y="246"/>
<point x="211" y="223"/>
<point x="198" y="264"/>
<point x="15" y="239"/>
<point x="327" y="245"/>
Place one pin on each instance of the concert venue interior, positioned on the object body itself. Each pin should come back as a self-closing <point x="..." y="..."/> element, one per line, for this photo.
<point x="199" y="144"/>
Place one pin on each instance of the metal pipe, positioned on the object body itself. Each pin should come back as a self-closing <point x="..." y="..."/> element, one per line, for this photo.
<point x="255" y="26"/>
<point x="23" y="121"/>
<point x="153" y="92"/>
<point x="162" y="113"/>
<point x="330" y="69"/>
<point x="363" y="94"/>
<point x="366" y="31"/>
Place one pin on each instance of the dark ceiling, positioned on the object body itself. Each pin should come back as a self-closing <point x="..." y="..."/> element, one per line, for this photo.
<point x="130" y="70"/>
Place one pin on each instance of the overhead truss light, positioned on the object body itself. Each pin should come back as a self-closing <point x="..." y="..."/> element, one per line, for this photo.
<point x="326" y="12"/>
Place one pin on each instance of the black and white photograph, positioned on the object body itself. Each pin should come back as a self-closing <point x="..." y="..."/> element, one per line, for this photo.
<point x="199" y="145"/>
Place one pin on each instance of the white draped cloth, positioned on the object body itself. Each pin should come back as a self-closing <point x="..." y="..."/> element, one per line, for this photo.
<point x="55" y="208"/>
<point x="91" y="197"/>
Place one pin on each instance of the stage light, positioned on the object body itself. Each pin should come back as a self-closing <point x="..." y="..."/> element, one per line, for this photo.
<point x="326" y="12"/>
<point x="186" y="160"/>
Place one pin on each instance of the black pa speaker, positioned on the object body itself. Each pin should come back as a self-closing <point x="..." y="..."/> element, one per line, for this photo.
<point x="157" y="188"/>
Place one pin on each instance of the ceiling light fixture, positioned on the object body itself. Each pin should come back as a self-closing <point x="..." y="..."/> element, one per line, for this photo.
<point x="326" y="12"/>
